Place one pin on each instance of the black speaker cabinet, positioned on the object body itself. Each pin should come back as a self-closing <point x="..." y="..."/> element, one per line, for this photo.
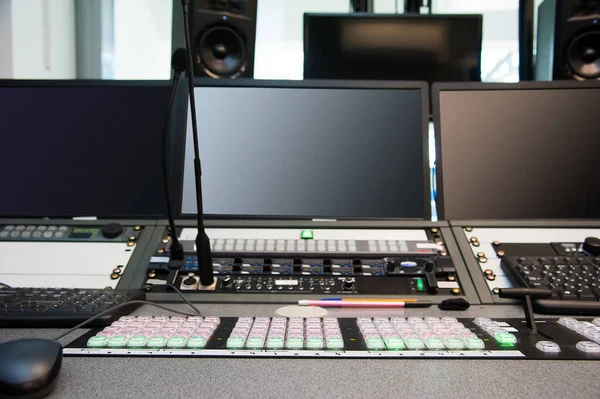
<point x="568" y="40"/>
<point x="223" y="37"/>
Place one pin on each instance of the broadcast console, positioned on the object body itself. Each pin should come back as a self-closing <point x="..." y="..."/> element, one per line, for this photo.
<point x="358" y="259"/>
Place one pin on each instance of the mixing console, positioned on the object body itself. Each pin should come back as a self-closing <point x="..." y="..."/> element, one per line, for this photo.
<point x="378" y="337"/>
<point x="320" y="261"/>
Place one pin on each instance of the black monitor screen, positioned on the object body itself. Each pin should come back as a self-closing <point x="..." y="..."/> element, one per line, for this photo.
<point x="520" y="153"/>
<point x="82" y="151"/>
<point x="309" y="152"/>
<point x="432" y="48"/>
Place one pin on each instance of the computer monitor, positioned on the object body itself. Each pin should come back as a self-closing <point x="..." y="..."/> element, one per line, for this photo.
<point x="319" y="149"/>
<point x="83" y="148"/>
<point x="523" y="150"/>
<point x="432" y="48"/>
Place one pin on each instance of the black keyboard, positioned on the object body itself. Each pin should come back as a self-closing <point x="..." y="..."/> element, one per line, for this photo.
<point x="62" y="307"/>
<point x="574" y="282"/>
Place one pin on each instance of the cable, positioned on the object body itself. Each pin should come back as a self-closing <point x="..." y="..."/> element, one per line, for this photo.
<point x="139" y="302"/>
<point x="184" y="298"/>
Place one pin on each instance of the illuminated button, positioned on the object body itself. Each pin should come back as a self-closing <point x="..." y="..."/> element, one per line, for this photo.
<point x="196" y="342"/>
<point x="177" y="342"/>
<point x="118" y="341"/>
<point x="588" y="347"/>
<point x="255" y="342"/>
<point x="419" y="284"/>
<point x="505" y="338"/>
<point x="335" y="343"/>
<point x="235" y="342"/>
<point x="394" y="343"/>
<point x="157" y="342"/>
<point x="455" y="343"/>
<point x="474" y="343"/>
<point x="294" y="342"/>
<point x="375" y="343"/>
<point x="548" y="346"/>
<point x="434" y="343"/>
<point x="414" y="343"/>
<point x="307" y="235"/>
<point x="314" y="342"/>
<point x="97" y="342"/>
<point x="137" y="342"/>
<point x="274" y="342"/>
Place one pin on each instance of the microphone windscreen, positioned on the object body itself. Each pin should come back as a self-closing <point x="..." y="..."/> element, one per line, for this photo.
<point x="179" y="60"/>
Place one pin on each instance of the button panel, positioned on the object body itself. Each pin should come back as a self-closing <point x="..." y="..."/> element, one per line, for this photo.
<point x="60" y="233"/>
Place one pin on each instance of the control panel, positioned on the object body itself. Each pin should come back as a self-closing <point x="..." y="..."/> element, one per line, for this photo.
<point x="564" y="260"/>
<point x="384" y="262"/>
<point x="71" y="254"/>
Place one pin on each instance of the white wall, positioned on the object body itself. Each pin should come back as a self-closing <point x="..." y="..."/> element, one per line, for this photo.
<point x="42" y="34"/>
<point x="142" y="39"/>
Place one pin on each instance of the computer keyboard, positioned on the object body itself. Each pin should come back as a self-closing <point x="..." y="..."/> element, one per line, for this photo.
<point x="61" y="307"/>
<point x="574" y="282"/>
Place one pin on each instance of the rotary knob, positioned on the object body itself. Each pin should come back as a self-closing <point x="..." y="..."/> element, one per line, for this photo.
<point x="591" y="245"/>
<point x="112" y="230"/>
<point x="226" y="282"/>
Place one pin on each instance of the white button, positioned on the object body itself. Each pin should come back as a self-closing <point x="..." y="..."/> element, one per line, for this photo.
<point x="588" y="347"/>
<point x="548" y="346"/>
<point x="230" y="242"/>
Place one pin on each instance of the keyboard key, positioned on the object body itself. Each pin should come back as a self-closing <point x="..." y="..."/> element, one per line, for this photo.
<point x="588" y="347"/>
<point x="117" y="341"/>
<point x="504" y="338"/>
<point x="97" y="342"/>
<point x="474" y="343"/>
<point x="157" y="342"/>
<point x="548" y="346"/>
<point x="375" y="343"/>
<point x="196" y="342"/>
<point x="137" y="342"/>
<point x="414" y="343"/>
<point x="235" y="342"/>
<point x="335" y="343"/>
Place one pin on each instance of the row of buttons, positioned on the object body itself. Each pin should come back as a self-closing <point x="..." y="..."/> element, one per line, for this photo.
<point x="417" y="333"/>
<point x="590" y="330"/>
<point x="272" y="245"/>
<point x="156" y="332"/>
<point x="30" y="231"/>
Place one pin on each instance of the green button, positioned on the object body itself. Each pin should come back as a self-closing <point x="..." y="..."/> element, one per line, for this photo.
<point x="235" y="342"/>
<point x="294" y="343"/>
<point x="97" y="342"/>
<point x="414" y="343"/>
<point x="505" y="338"/>
<point x="335" y="343"/>
<point x="137" y="342"/>
<point x="157" y="342"/>
<point x="375" y="343"/>
<point x="454" y="343"/>
<point x="419" y="284"/>
<point x="196" y="342"/>
<point x="307" y="234"/>
<point x="474" y="343"/>
<point x="255" y="342"/>
<point x="314" y="343"/>
<point x="434" y="343"/>
<point x="275" y="343"/>
<point x="394" y="343"/>
<point x="177" y="342"/>
<point x="117" y="341"/>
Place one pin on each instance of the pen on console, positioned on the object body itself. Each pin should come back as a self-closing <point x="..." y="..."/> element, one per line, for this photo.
<point x="365" y="304"/>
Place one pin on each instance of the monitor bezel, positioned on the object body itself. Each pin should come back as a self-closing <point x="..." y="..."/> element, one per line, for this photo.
<point x="177" y="124"/>
<point x="437" y="88"/>
<point x="423" y="87"/>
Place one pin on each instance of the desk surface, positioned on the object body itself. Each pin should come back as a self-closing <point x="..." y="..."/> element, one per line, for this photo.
<point x="277" y="378"/>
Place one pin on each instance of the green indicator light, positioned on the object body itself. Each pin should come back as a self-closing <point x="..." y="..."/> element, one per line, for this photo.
<point x="419" y="284"/>
<point x="506" y="339"/>
<point x="307" y="234"/>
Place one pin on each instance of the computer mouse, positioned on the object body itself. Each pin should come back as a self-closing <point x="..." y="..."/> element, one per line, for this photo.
<point x="29" y="367"/>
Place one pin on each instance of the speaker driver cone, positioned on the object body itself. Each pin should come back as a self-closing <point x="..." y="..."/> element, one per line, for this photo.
<point x="222" y="51"/>
<point x="583" y="55"/>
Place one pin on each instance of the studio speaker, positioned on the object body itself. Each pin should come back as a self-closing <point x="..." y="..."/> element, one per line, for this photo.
<point x="568" y="40"/>
<point x="223" y="37"/>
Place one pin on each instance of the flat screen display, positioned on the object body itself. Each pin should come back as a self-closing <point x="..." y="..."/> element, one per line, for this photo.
<point x="82" y="151"/>
<point x="519" y="153"/>
<point x="309" y="152"/>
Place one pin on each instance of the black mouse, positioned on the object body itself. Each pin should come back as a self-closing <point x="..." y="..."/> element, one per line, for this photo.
<point x="29" y="367"/>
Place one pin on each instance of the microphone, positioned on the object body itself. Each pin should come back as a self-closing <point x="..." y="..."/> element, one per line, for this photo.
<point x="178" y="61"/>
<point x="207" y="281"/>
